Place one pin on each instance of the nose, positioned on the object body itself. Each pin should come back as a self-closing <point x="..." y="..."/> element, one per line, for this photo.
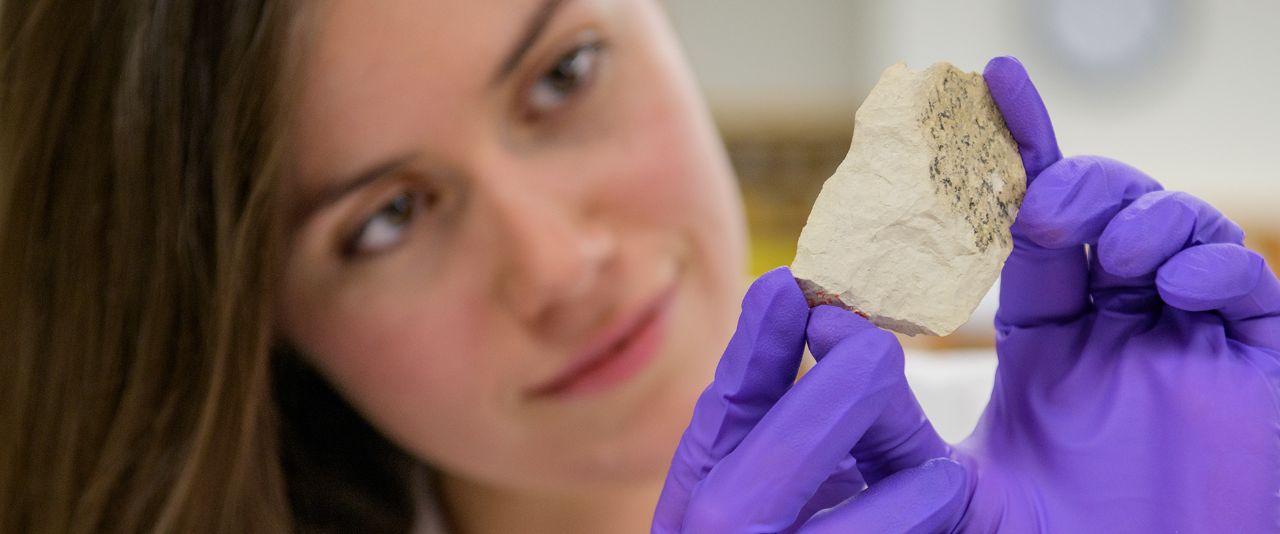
<point x="556" y="254"/>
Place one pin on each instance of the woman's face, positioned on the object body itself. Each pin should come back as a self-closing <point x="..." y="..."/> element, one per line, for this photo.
<point x="518" y="245"/>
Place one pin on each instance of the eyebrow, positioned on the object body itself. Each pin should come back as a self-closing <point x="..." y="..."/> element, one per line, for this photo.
<point x="532" y="30"/>
<point x="326" y="197"/>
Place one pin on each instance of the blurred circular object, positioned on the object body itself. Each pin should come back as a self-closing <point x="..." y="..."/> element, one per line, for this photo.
<point x="1111" y="37"/>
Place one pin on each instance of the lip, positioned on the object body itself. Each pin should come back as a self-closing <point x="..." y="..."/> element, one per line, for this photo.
<point x="617" y="353"/>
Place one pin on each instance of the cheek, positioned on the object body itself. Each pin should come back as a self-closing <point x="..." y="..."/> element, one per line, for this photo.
<point x="674" y="173"/>
<point x="407" y="364"/>
<point x="665" y="171"/>
<point x="662" y="157"/>
<point x="403" y="348"/>
<point x="669" y="160"/>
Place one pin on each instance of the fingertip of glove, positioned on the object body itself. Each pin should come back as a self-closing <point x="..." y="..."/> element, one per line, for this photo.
<point x="775" y="296"/>
<point x="1004" y="69"/>
<point x="947" y="481"/>
<point x="837" y="315"/>
<point x="929" y="496"/>
<point x="941" y="480"/>
<point x="1129" y="245"/>
<point x="775" y="283"/>
<point x="947" y="472"/>
<point x="829" y="325"/>
<point x="774" y="279"/>
<point x="1209" y="276"/>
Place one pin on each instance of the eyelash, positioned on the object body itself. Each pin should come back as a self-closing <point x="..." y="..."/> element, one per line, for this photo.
<point x="576" y="70"/>
<point x="405" y="206"/>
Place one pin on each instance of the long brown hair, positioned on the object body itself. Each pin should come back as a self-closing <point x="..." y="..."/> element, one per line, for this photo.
<point x="140" y="148"/>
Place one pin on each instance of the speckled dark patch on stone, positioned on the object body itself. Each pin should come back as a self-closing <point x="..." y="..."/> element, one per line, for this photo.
<point x="972" y="147"/>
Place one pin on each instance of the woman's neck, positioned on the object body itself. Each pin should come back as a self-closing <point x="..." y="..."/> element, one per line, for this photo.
<point x="480" y="509"/>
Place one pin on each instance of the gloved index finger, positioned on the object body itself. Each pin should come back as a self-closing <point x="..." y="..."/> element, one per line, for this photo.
<point x="757" y="368"/>
<point x="1030" y="264"/>
<point x="1024" y="113"/>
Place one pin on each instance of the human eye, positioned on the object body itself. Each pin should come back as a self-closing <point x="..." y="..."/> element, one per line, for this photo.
<point x="571" y="74"/>
<point x="386" y="228"/>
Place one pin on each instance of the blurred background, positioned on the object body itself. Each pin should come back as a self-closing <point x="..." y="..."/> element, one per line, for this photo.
<point x="1183" y="89"/>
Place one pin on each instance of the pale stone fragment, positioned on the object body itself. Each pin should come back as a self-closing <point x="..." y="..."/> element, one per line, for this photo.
<point x="913" y="228"/>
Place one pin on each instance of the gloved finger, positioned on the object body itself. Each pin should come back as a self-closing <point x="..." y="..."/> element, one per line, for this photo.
<point x="925" y="499"/>
<point x="757" y="368"/>
<point x="764" y="483"/>
<point x="1141" y="237"/>
<point x="844" y="483"/>
<point x="1068" y="206"/>
<point x="1024" y="113"/>
<point x="1232" y="280"/>
<point x="1072" y="201"/>
<point x="1021" y="283"/>
<point x="901" y="436"/>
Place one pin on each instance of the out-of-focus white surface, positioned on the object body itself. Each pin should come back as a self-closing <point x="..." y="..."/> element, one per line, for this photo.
<point x="1182" y="89"/>
<point x="765" y="61"/>
<point x="981" y="324"/>
<point x="952" y="386"/>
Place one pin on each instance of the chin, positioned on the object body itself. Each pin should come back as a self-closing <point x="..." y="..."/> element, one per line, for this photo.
<point x="637" y="450"/>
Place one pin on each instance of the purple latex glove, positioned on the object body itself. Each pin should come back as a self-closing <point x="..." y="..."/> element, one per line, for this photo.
<point x="1138" y="387"/>
<point x="763" y="455"/>
<point x="1138" y="383"/>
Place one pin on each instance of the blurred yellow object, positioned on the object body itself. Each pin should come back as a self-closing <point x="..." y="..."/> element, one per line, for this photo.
<point x="768" y="252"/>
<point x="1266" y="240"/>
<point x="780" y="177"/>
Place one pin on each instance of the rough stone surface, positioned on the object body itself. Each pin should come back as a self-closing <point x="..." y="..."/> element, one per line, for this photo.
<point x="913" y="227"/>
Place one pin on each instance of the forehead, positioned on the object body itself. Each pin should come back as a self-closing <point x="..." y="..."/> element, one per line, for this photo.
<point x="379" y="73"/>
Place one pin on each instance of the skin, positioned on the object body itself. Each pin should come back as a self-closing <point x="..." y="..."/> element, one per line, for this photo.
<point x="519" y="222"/>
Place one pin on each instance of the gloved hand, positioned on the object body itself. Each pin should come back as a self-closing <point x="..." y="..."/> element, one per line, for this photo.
<point x="1138" y="387"/>
<point x="762" y="455"/>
